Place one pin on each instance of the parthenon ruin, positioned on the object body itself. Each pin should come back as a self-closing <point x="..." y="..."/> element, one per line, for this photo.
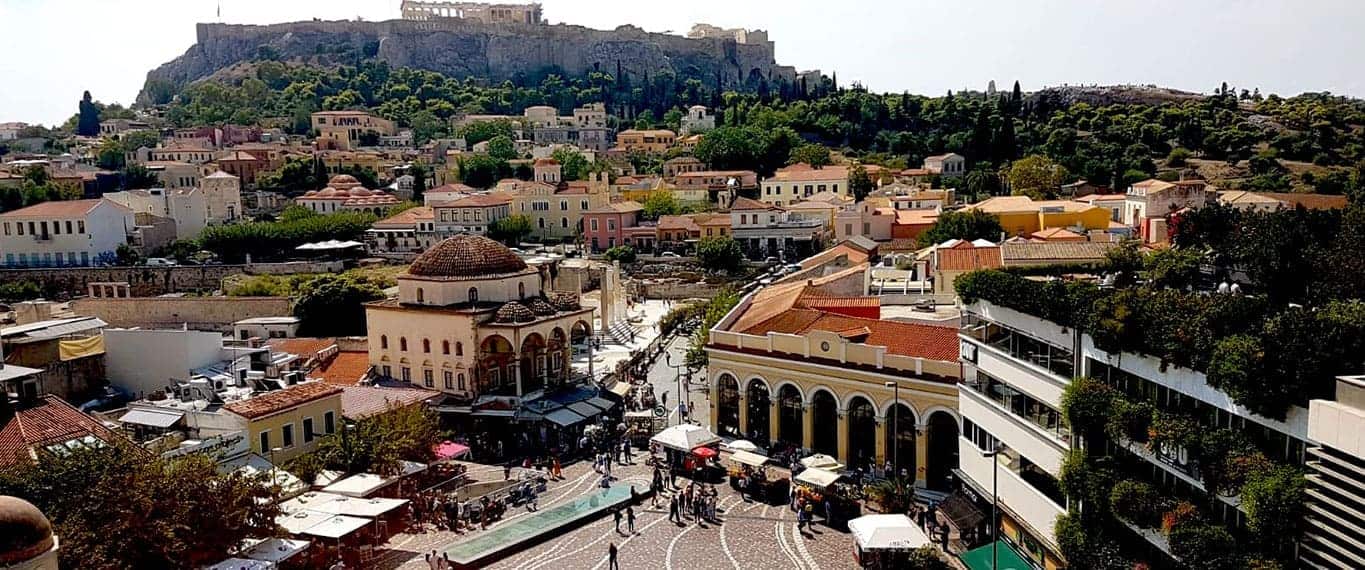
<point x="476" y="11"/>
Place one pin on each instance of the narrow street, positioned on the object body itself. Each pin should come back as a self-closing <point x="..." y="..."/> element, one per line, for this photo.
<point x="664" y="379"/>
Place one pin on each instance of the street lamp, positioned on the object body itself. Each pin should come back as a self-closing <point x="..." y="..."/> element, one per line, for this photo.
<point x="995" y="504"/>
<point x="677" y="378"/>
<point x="895" y="427"/>
<point x="274" y="472"/>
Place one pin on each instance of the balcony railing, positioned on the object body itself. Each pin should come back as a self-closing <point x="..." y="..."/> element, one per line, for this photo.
<point x="1055" y="359"/>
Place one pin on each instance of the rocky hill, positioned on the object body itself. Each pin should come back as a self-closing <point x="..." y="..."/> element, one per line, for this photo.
<point x="1100" y="95"/>
<point x="495" y="52"/>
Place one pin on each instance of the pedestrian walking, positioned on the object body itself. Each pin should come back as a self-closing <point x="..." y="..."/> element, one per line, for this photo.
<point x="630" y="519"/>
<point x="506" y="471"/>
<point x="616" y="514"/>
<point x="556" y="470"/>
<point x="673" y="510"/>
<point x="611" y="558"/>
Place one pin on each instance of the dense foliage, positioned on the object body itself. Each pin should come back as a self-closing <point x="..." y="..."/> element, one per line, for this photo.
<point x="711" y="313"/>
<point x="166" y="513"/>
<point x="276" y="240"/>
<point x="376" y="444"/>
<point x="720" y="253"/>
<point x="622" y="253"/>
<point x="333" y="305"/>
<point x="969" y="224"/>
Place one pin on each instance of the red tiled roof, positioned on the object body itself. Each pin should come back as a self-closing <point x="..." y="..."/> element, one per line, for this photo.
<point x="934" y="342"/>
<point x="303" y="347"/>
<point x="360" y="402"/>
<point x="51" y="421"/>
<point x="1308" y="201"/>
<point x="855" y="255"/>
<point x="406" y="218"/>
<point x="802" y="172"/>
<point x="347" y="368"/>
<point x="969" y="258"/>
<point x="618" y="208"/>
<point x="480" y="201"/>
<point x="678" y="223"/>
<point x="278" y="401"/>
<point x="742" y="204"/>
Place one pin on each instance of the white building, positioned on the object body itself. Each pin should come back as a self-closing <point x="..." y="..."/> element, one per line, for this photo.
<point x="64" y="233"/>
<point x="1336" y="479"/>
<point x="946" y="165"/>
<point x="184" y="206"/>
<point x="472" y="215"/>
<point x="800" y="181"/>
<point x="222" y="197"/>
<point x="697" y="120"/>
<point x="145" y="361"/>
<point x="10" y="131"/>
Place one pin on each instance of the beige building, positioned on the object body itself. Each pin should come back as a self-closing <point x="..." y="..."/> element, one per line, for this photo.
<point x="222" y="197"/>
<point x="800" y="181"/>
<point x="292" y="420"/>
<point x="343" y="129"/>
<point x="473" y="320"/>
<point x="471" y="215"/>
<point x="176" y="175"/>
<point x="633" y="140"/>
<point x="556" y="211"/>
<point x="183" y="206"/>
<point x="808" y="362"/>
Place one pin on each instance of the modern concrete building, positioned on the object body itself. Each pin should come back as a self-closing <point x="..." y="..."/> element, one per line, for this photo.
<point x="64" y="233"/>
<point x="1335" y="518"/>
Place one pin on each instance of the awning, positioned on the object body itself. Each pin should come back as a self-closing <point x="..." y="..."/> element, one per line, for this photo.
<point x="276" y="549"/>
<point x="153" y="418"/>
<point x="620" y="389"/>
<point x="564" y="417"/>
<point x="601" y="402"/>
<point x="960" y="512"/>
<point x="449" y="449"/>
<point x="749" y="458"/>
<point x="584" y="409"/>
<point x="886" y="532"/>
<point x="337" y="526"/>
<point x="72" y="349"/>
<point x="242" y="564"/>
<point x="816" y="477"/>
<point x="822" y="461"/>
<point x="1007" y="558"/>
<point x="685" y="437"/>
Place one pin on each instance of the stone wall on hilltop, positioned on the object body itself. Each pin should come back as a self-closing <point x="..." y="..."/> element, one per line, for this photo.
<point x="495" y="52"/>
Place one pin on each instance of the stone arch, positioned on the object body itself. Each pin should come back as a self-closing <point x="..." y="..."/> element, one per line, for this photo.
<point x="784" y="383"/>
<point x="579" y="331"/>
<point x="727" y="405"/>
<point x="790" y="414"/>
<point x="810" y="394"/>
<point x="861" y="414"/>
<point x="942" y="429"/>
<point x="899" y="422"/>
<point x="848" y="399"/>
<point x="532" y="364"/>
<point x="759" y="401"/>
<point x="760" y="380"/>
<point x="824" y="408"/>
<point x="495" y="359"/>
<point x="885" y="411"/>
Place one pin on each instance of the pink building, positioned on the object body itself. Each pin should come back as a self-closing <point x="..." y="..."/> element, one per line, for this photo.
<point x="605" y="228"/>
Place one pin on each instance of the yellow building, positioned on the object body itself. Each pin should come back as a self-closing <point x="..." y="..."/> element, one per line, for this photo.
<point x="632" y="140"/>
<point x="809" y="364"/>
<point x="344" y="129"/>
<point x="556" y="210"/>
<point x="1022" y="216"/>
<point x="291" y="420"/>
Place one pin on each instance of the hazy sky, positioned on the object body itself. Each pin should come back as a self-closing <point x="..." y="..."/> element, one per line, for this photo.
<point x="52" y="50"/>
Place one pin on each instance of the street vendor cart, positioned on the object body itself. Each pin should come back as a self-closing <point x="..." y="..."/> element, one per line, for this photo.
<point x="749" y="475"/>
<point x="643" y="425"/>
<point x="885" y="541"/>
<point x="830" y="493"/>
<point x="688" y="450"/>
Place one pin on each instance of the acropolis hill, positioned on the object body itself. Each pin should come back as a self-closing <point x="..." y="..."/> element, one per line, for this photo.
<point x="493" y="42"/>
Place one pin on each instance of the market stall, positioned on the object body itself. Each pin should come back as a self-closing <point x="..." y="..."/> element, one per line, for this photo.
<point x="749" y="474"/>
<point x="885" y="541"/>
<point x="822" y="461"/>
<point x="830" y="494"/>
<point x="689" y="450"/>
<point x="285" y="553"/>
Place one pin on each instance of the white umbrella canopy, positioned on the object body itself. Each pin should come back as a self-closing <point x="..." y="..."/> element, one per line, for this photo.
<point x="685" y="437"/>
<point x="744" y="445"/>
<point x="822" y="461"/>
<point x="886" y="532"/>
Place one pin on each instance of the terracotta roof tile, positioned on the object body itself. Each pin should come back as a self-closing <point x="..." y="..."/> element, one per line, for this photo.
<point x="745" y="204"/>
<point x="271" y="403"/>
<point x="466" y="256"/>
<point x="969" y="259"/>
<point x="480" y="201"/>
<point x="347" y="368"/>
<point x="360" y="402"/>
<point x="406" y="218"/>
<point x="51" y="421"/>
<point x="934" y="342"/>
<point x="58" y="209"/>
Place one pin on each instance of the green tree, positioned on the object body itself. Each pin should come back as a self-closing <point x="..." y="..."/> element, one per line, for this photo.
<point x="859" y="183"/>
<point x="622" y="253"/>
<point x="511" y="230"/>
<point x="813" y="154"/>
<point x="334" y="305"/>
<point x="419" y="182"/>
<point x="969" y="224"/>
<point x="477" y="132"/>
<point x="720" y="253"/>
<point x="89" y="123"/>
<point x="501" y="147"/>
<point x="482" y="171"/>
<point x="572" y="165"/>
<point x="1036" y="176"/>
<point x="136" y="176"/>
<point x="727" y="148"/>
<point x="123" y="517"/>
<point x="660" y="203"/>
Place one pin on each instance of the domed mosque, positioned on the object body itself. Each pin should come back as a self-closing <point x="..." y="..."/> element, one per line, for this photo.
<point x="474" y="321"/>
<point x="26" y="538"/>
<point x="344" y="193"/>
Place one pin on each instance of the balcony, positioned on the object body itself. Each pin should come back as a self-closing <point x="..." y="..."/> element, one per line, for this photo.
<point x="1024" y="502"/>
<point x="1042" y="446"/>
<point x="1032" y="379"/>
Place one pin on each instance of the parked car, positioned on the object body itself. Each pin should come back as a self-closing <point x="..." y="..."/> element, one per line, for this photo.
<point x="160" y="262"/>
<point x="669" y="254"/>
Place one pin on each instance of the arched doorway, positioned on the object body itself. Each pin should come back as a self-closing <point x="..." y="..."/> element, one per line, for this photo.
<point x="727" y="406"/>
<point x="558" y="354"/>
<point x="532" y="366"/>
<point x="580" y="332"/>
<point x="826" y="419"/>
<point x="495" y="366"/>
<point x="862" y="432"/>
<point x="759" y="408"/>
<point x="789" y="428"/>
<point x="942" y="445"/>
<point x="900" y="439"/>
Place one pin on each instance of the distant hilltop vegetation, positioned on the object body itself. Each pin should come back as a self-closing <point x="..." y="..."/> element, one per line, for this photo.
<point x="1101" y="95"/>
<point x="739" y="60"/>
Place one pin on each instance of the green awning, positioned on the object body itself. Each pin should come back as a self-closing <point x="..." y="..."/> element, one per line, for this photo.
<point x="980" y="558"/>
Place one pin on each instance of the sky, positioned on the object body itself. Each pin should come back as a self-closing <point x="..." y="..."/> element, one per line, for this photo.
<point x="55" y="49"/>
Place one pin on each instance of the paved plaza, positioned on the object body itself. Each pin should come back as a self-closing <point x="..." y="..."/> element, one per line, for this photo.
<point x="751" y="535"/>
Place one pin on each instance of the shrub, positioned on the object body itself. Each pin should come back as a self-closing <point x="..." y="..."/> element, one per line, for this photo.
<point x="1205" y="546"/>
<point x="1087" y="405"/>
<point x="273" y="240"/>
<point x="1181" y="514"/>
<point x="1129" y="420"/>
<point x="720" y="253"/>
<point x="1178" y="157"/>
<point x="1273" y="500"/>
<point x="1088" y="479"/>
<point x="622" y="253"/>
<point x="1138" y="503"/>
<point x="20" y="291"/>
<point x="1173" y="429"/>
<point x="892" y="495"/>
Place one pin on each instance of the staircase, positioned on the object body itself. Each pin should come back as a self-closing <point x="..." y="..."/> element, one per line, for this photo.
<point x="621" y="332"/>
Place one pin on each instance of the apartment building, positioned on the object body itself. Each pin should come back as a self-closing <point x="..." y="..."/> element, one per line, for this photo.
<point x="64" y="233"/>
<point x="185" y="206"/>
<point x="556" y="210"/>
<point x="1016" y="367"/>
<point x="471" y="215"/>
<point x="1335" y="519"/>
<point x="345" y="129"/>
<point x="800" y="181"/>
<point x="649" y="141"/>
<point x="766" y="230"/>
